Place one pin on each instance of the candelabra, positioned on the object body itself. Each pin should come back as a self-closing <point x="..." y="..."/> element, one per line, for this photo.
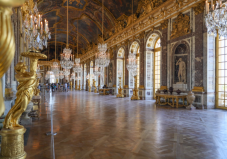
<point x="61" y="74"/>
<point x="94" y="85"/>
<point x="135" y="91"/>
<point x="216" y="18"/>
<point x="89" y="77"/>
<point x="120" y="95"/>
<point x="34" y="32"/>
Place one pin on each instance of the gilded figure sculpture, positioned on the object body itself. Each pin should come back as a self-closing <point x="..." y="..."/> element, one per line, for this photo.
<point x="7" y="43"/>
<point x="28" y="83"/>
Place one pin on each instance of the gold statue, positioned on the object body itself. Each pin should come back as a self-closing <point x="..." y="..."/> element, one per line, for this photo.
<point x="135" y="91"/>
<point x="25" y="91"/>
<point x="89" y="86"/>
<point x="94" y="85"/>
<point x="120" y="95"/>
<point x="7" y="43"/>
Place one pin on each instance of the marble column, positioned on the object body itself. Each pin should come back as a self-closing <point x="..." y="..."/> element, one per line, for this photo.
<point x="199" y="50"/>
<point x="126" y="57"/>
<point x="142" y="60"/>
<point x="114" y="70"/>
<point x="164" y="57"/>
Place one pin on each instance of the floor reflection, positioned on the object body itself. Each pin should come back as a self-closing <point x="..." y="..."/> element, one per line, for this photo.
<point x="90" y="126"/>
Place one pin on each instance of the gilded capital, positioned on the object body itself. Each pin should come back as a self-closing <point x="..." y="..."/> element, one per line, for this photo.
<point x="199" y="8"/>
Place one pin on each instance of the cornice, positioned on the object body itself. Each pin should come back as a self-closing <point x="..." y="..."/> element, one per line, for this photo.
<point x="157" y="16"/>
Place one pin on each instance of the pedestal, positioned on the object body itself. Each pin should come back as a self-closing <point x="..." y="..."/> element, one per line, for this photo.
<point x="180" y="85"/>
<point x="120" y="95"/>
<point x="12" y="146"/>
<point x="25" y="119"/>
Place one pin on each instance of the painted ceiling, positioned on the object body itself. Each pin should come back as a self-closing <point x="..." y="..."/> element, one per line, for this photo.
<point x="87" y="15"/>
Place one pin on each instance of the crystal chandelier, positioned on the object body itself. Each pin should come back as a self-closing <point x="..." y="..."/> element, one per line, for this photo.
<point x="67" y="78"/>
<point x="216" y="18"/>
<point x="61" y="75"/>
<point x="48" y="75"/>
<point x="131" y="61"/>
<point x="131" y="64"/>
<point x="35" y="33"/>
<point x="55" y="67"/>
<point x="67" y="58"/>
<point x="97" y="71"/>
<point x="77" y="66"/>
<point x="102" y="58"/>
<point x="66" y="72"/>
<point x="66" y="64"/>
<point x="73" y="76"/>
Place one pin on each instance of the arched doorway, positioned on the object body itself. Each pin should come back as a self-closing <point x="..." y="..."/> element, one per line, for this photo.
<point x="135" y="49"/>
<point x="153" y="62"/>
<point x="120" y="68"/>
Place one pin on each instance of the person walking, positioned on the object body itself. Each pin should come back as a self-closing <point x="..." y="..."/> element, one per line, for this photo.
<point x="66" y="87"/>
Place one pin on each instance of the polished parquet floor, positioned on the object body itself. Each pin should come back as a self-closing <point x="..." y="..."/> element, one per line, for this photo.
<point x="90" y="126"/>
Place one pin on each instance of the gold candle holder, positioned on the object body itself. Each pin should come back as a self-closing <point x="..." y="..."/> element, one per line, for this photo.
<point x="120" y="95"/>
<point x="94" y="85"/>
<point x="135" y="91"/>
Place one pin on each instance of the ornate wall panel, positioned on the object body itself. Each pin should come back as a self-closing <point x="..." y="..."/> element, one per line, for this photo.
<point x="199" y="49"/>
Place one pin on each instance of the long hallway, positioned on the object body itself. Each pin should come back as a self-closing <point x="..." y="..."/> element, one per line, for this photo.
<point x="90" y="126"/>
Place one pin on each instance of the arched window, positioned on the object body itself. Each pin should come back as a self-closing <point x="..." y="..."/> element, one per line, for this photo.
<point x="157" y="63"/>
<point x="153" y="54"/>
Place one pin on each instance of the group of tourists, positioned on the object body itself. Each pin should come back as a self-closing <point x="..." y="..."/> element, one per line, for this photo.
<point x="57" y="86"/>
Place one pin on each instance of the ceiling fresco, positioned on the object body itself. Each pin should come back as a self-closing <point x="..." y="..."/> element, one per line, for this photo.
<point x="88" y="27"/>
<point x="78" y="4"/>
<point x="88" y="14"/>
<point x="119" y="7"/>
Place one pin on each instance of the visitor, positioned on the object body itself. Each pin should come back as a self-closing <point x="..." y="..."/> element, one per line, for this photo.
<point x="55" y="87"/>
<point x="48" y="88"/>
<point x="66" y="87"/>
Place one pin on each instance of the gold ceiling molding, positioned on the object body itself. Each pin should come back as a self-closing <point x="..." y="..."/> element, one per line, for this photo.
<point x="199" y="8"/>
<point x="141" y="35"/>
<point x="74" y="8"/>
<point x="181" y="26"/>
<point x="167" y="10"/>
<point x="164" y="25"/>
